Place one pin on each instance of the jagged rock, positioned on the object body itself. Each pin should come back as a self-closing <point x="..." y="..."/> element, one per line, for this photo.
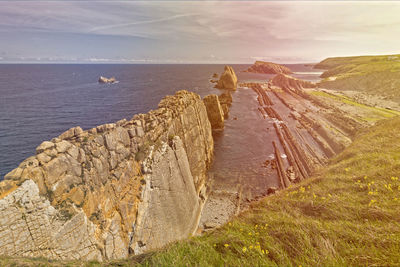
<point x="214" y="111"/>
<point x="225" y="110"/>
<point x="71" y="133"/>
<point x="228" y="79"/>
<point x="268" y="68"/>
<point x="39" y="229"/>
<point x="44" y="146"/>
<point x="290" y="83"/>
<point x="63" y="146"/>
<point x="225" y="98"/>
<point x="83" y="197"/>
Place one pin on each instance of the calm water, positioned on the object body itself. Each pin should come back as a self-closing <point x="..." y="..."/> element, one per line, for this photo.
<point x="38" y="102"/>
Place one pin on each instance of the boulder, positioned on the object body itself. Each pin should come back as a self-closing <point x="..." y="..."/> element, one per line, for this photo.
<point x="228" y="79"/>
<point x="268" y="68"/>
<point x="214" y="111"/>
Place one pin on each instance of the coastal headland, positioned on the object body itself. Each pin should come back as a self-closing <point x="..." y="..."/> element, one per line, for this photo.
<point x="136" y="185"/>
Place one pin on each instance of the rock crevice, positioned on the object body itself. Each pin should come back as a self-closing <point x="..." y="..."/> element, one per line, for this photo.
<point x="119" y="187"/>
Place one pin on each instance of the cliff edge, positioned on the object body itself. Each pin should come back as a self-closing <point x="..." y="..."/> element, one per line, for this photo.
<point x="113" y="190"/>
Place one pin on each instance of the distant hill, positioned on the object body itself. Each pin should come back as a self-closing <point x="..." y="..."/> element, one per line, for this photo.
<point x="379" y="75"/>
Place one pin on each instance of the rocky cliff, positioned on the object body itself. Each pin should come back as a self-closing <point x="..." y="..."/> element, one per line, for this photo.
<point x="116" y="189"/>
<point x="228" y="79"/>
<point x="268" y="68"/>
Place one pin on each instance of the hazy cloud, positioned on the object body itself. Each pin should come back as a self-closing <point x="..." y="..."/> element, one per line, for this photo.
<point x="205" y="31"/>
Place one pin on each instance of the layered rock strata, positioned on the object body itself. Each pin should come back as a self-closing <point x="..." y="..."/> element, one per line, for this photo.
<point x="268" y="68"/>
<point x="120" y="188"/>
<point x="214" y="111"/>
<point x="228" y="79"/>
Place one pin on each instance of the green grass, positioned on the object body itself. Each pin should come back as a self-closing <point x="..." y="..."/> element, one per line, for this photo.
<point x="375" y="113"/>
<point x="378" y="75"/>
<point x="346" y="215"/>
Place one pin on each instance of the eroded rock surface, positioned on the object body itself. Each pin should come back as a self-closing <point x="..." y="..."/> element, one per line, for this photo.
<point x="268" y="68"/>
<point x="95" y="194"/>
<point x="214" y="111"/>
<point x="228" y="79"/>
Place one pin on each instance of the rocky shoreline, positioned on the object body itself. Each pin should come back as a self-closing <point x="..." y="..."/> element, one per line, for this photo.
<point x="114" y="190"/>
<point x="135" y="185"/>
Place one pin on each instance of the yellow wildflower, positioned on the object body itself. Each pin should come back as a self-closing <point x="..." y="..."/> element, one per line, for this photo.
<point x="371" y="202"/>
<point x="226" y="245"/>
<point x="302" y="189"/>
<point x="244" y="249"/>
<point x="314" y="195"/>
<point x="395" y="178"/>
<point x="346" y="169"/>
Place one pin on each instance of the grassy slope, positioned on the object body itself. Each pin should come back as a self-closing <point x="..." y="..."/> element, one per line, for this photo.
<point x="374" y="114"/>
<point x="372" y="74"/>
<point x="348" y="214"/>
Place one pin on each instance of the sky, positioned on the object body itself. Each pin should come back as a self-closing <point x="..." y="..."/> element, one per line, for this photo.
<point x="195" y="31"/>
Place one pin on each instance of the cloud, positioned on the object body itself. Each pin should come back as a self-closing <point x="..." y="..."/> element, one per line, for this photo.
<point x="238" y="30"/>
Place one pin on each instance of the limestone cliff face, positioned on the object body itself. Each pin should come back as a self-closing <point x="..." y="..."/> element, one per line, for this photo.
<point x="112" y="190"/>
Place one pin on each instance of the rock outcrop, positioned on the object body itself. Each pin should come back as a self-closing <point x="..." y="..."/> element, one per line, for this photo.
<point x="107" y="80"/>
<point x="225" y="99"/>
<point x="228" y="79"/>
<point x="116" y="189"/>
<point x="268" y="68"/>
<point x="290" y="83"/>
<point x="214" y="111"/>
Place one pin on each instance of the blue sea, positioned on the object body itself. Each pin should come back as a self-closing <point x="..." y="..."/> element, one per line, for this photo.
<point x="40" y="101"/>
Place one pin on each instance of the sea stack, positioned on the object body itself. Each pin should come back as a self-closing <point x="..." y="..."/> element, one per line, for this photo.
<point x="268" y="68"/>
<point x="228" y="79"/>
<point x="214" y="112"/>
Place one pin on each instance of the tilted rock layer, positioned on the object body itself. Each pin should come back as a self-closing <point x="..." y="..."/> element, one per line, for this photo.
<point x="214" y="111"/>
<point x="228" y="79"/>
<point x="268" y="68"/>
<point x="115" y="189"/>
<point x="290" y="83"/>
